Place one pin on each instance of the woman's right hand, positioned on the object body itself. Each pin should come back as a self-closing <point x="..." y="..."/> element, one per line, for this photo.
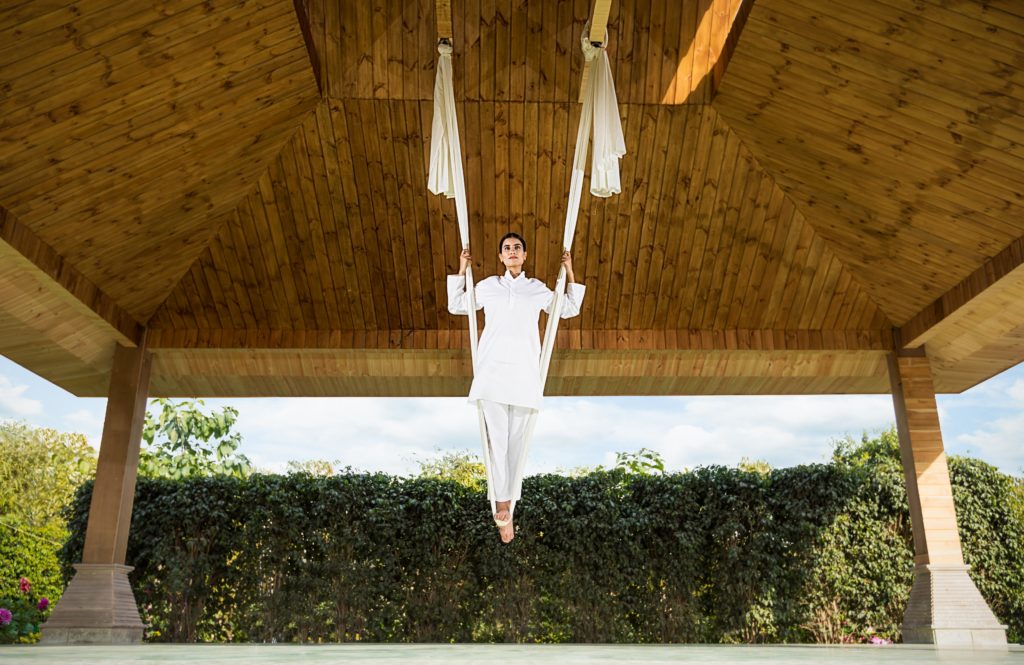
<point x="464" y="259"/>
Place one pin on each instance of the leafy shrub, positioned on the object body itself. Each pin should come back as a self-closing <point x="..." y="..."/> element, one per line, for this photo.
<point x="810" y="553"/>
<point x="40" y="471"/>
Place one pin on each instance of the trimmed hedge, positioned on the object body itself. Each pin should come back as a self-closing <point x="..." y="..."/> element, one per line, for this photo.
<point x="809" y="553"/>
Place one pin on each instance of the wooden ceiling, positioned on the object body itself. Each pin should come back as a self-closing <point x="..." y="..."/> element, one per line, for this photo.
<point x="243" y="185"/>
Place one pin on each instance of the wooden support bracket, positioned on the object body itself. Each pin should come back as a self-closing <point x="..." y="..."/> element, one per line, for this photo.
<point x="599" y="11"/>
<point x="444" y="19"/>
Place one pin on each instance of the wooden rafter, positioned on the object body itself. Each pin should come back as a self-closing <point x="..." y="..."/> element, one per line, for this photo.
<point x="302" y="15"/>
<point x="954" y="304"/>
<point x="69" y="282"/>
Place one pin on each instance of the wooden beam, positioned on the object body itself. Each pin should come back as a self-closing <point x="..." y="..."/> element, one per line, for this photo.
<point x="599" y="11"/>
<point x="74" y="287"/>
<point x="110" y="511"/>
<point x="98" y="605"/>
<point x="952" y="305"/>
<point x="448" y="372"/>
<point x="444" y="19"/>
<point x="302" y="14"/>
<point x="400" y="341"/>
<point x="945" y="606"/>
<point x="731" y="40"/>
<point x="936" y="540"/>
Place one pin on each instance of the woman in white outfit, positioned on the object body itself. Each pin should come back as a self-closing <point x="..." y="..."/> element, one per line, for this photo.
<point x="507" y="380"/>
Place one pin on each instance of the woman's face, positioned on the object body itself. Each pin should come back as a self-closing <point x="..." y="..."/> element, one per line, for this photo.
<point x="512" y="253"/>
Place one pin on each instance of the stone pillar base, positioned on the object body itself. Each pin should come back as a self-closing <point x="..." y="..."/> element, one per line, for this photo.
<point x="98" y="607"/>
<point x="946" y="609"/>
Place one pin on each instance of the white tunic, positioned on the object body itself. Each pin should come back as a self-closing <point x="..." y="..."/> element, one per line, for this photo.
<point x="508" y="362"/>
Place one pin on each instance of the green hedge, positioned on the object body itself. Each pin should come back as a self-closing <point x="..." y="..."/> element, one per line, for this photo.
<point x="809" y="553"/>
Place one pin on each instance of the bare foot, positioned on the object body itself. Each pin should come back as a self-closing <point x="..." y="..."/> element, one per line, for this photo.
<point x="506" y="532"/>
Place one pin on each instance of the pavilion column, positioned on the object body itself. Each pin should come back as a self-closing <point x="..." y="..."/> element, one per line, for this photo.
<point x="945" y="606"/>
<point x="98" y="606"/>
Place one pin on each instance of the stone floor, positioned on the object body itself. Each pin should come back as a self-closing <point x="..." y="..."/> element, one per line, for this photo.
<point x="215" y="654"/>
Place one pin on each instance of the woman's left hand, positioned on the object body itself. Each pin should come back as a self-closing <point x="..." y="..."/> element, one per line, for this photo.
<point x="567" y="262"/>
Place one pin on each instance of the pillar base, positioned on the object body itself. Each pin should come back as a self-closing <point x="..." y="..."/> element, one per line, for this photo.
<point x="947" y="610"/>
<point x="98" y="607"/>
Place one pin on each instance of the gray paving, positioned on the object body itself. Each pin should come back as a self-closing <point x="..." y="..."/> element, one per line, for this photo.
<point x="499" y="654"/>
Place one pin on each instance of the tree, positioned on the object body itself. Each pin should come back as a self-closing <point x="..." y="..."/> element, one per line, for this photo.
<point x="883" y="449"/>
<point x="754" y="466"/>
<point x="183" y="442"/>
<point x="40" y="470"/>
<point x="461" y="466"/>
<point x="313" y="467"/>
<point x="644" y="462"/>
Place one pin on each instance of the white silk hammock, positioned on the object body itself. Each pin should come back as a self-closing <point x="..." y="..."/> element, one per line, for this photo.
<point x="600" y="113"/>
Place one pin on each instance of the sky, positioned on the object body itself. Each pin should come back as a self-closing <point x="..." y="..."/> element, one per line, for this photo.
<point x="395" y="434"/>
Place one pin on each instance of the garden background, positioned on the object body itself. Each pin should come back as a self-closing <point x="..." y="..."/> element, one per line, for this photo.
<point x="633" y="553"/>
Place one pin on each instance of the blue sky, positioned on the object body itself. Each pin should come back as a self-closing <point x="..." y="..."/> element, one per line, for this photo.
<point x="394" y="434"/>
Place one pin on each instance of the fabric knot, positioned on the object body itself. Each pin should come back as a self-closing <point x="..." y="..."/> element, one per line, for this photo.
<point x="590" y="52"/>
<point x="444" y="48"/>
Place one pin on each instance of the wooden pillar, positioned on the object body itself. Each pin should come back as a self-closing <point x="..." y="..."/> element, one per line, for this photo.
<point x="98" y="606"/>
<point x="945" y="607"/>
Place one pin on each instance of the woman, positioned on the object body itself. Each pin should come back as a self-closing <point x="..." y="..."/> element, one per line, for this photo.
<point x="506" y="380"/>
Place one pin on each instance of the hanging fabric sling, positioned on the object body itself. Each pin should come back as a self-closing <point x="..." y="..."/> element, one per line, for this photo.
<point x="600" y="113"/>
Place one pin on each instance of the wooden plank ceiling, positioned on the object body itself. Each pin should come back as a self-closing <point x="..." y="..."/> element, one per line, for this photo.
<point x="895" y="126"/>
<point x="247" y="181"/>
<point x="127" y="129"/>
<point x="701" y="238"/>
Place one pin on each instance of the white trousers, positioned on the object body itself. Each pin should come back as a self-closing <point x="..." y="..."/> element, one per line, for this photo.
<point x="506" y="432"/>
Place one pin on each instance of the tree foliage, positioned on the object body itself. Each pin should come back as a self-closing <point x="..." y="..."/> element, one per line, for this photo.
<point x="312" y="467"/>
<point x="40" y="471"/>
<point x="460" y="466"/>
<point x="644" y="462"/>
<point x="819" y="552"/>
<point x="182" y="441"/>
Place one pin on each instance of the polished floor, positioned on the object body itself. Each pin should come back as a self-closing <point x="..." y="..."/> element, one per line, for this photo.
<point x="499" y="654"/>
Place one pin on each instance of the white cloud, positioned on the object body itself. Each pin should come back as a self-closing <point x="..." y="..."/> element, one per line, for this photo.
<point x="698" y="431"/>
<point x="1016" y="392"/>
<point x="14" y="404"/>
<point x="89" y="423"/>
<point x="393" y="435"/>
<point x="365" y="433"/>
<point x="1001" y="443"/>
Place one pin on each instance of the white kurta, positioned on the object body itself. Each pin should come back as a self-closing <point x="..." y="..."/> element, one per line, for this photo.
<point x="508" y="361"/>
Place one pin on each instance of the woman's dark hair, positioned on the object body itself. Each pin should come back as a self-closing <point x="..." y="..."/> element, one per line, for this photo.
<point x="511" y="234"/>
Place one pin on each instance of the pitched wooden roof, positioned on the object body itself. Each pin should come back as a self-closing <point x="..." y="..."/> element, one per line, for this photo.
<point x="243" y="184"/>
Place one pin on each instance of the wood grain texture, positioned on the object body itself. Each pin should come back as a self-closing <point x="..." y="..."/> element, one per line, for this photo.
<point x="375" y="261"/>
<point x="990" y="282"/>
<point x="930" y="495"/>
<point x="23" y="248"/>
<point x="371" y="372"/>
<point x="499" y="43"/>
<point x="894" y="131"/>
<point x="46" y="329"/>
<point x="126" y="131"/>
<point x="852" y="170"/>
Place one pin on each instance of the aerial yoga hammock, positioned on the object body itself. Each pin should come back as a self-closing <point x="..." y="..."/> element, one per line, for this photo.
<point x="516" y="335"/>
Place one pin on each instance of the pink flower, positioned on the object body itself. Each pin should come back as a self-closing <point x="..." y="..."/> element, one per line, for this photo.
<point x="44" y="602"/>
<point x="24" y="584"/>
<point x="879" y="640"/>
<point x="5" y="616"/>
